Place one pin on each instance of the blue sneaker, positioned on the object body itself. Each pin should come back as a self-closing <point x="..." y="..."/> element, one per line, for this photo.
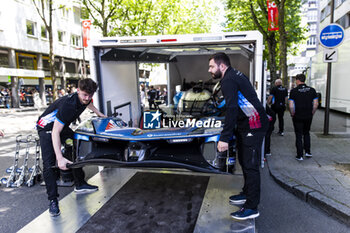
<point x="238" y="199"/>
<point x="54" y="210"/>
<point x="244" y="214"/>
<point x="85" y="188"/>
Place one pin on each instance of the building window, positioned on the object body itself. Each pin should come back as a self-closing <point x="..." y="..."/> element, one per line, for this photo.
<point x="57" y="65"/>
<point x="325" y="11"/>
<point x="344" y="21"/>
<point x="44" y="33"/>
<point x="61" y="36"/>
<point x="312" y="4"/>
<point x="4" y="59"/>
<point x="312" y="28"/>
<point x="46" y="64"/>
<point x="70" y="67"/>
<point x="26" y="62"/>
<point x="311" y="41"/>
<point x="75" y="40"/>
<point x="31" y="28"/>
<point x="64" y="12"/>
<point x="312" y="15"/>
<point x="77" y="14"/>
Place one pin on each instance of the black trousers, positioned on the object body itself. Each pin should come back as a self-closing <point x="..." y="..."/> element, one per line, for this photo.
<point x="268" y="135"/>
<point x="49" y="161"/>
<point x="249" y="146"/>
<point x="280" y="114"/>
<point x="151" y="104"/>
<point x="302" y="131"/>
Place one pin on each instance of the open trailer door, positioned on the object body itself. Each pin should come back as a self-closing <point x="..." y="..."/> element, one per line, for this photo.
<point x="115" y="62"/>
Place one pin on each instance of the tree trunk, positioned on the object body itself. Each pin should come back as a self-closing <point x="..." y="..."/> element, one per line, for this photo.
<point x="105" y="27"/>
<point x="14" y="80"/>
<point x="52" y="57"/>
<point x="283" y="43"/>
<point x="271" y="45"/>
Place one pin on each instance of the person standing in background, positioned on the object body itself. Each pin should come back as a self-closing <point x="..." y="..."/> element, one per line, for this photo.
<point x="278" y="99"/>
<point x="152" y="95"/>
<point x="303" y="103"/>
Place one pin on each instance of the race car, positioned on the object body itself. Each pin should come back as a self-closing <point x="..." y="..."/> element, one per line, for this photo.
<point x="110" y="142"/>
<point x="188" y="143"/>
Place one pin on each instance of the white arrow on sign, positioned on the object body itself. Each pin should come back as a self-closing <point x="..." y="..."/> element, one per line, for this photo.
<point x="330" y="55"/>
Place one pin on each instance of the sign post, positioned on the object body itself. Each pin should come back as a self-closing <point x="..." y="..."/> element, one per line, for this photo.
<point x="331" y="36"/>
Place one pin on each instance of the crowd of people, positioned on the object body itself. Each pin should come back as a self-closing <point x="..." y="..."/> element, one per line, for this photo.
<point x="154" y="96"/>
<point x="29" y="95"/>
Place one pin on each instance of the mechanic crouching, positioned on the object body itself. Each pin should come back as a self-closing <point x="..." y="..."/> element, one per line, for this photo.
<point x="53" y="128"/>
<point x="246" y="117"/>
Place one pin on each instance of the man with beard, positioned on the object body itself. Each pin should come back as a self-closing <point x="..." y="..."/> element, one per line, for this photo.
<point x="53" y="128"/>
<point x="246" y="118"/>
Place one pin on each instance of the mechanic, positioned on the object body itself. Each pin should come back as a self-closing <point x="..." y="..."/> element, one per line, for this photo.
<point x="53" y="129"/>
<point x="303" y="103"/>
<point x="152" y="94"/>
<point x="246" y="117"/>
<point x="278" y="99"/>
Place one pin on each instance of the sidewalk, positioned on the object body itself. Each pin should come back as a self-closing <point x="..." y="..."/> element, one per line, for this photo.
<point x="21" y="109"/>
<point x="323" y="180"/>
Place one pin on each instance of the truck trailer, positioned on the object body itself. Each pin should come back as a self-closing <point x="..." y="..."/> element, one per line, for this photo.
<point x="115" y="64"/>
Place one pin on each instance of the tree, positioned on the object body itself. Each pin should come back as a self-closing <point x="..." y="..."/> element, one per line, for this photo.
<point x="252" y="15"/>
<point x="102" y="11"/>
<point x="46" y="16"/>
<point x="148" y="17"/>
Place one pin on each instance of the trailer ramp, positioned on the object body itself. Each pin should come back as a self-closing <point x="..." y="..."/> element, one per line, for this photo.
<point x="152" y="200"/>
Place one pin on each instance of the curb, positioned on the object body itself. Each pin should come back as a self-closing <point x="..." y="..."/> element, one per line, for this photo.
<point x="311" y="196"/>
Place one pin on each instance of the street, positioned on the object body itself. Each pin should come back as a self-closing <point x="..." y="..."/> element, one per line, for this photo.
<point x="280" y="211"/>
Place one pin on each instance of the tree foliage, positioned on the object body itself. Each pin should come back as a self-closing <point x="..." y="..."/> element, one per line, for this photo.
<point x="245" y="15"/>
<point x="150" y="17"/>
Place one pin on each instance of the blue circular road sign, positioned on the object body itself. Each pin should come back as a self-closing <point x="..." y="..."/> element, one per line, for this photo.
<point x="332" y="35"/>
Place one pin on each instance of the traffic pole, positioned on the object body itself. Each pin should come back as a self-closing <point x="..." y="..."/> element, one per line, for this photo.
<point x="328" y="87"/>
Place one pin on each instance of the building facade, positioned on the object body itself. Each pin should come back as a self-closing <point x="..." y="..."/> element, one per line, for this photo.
<point x="309" y="19"/>
<point x="24" y="46"/>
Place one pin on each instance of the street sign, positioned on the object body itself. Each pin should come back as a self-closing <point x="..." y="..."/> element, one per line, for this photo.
<point x="332" y="35"/>
<point x="330" y="55"/>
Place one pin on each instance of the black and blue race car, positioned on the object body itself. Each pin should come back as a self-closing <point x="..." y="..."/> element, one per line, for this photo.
<point x="110" y="142"/>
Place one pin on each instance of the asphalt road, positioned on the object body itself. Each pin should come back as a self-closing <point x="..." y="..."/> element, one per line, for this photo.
<point x="281" y="211"/>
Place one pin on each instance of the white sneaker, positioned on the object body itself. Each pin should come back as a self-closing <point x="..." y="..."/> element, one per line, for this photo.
<point x="299" y="158"/>
<point x="308" y="155"/>
<point x="268" y="154"/>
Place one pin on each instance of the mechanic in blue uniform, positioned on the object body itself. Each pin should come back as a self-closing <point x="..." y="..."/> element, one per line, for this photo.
<point x="53" y="129"/>
<point x="278" y="99"/>
<point x="246" y="117"/>
<point x="303" y="103"/>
